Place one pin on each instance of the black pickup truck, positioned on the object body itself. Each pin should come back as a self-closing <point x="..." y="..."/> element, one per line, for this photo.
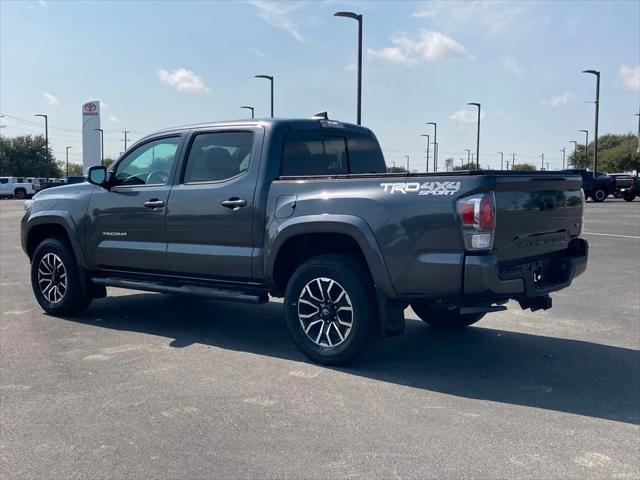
<point x="305" y="210"/>
<point x="597" y="187"/>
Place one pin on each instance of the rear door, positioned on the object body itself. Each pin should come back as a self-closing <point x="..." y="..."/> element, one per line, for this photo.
<point x="211" y="207"/>
<point x="126" y="224"/>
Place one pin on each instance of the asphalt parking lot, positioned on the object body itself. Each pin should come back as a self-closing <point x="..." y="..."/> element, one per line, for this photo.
<point x="154" y="386"/>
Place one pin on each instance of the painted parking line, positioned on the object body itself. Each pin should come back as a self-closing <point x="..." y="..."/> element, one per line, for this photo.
<point x="610" y="235"/>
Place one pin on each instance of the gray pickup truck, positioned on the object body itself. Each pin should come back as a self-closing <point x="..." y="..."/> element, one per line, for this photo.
<point x="305" y="210"/>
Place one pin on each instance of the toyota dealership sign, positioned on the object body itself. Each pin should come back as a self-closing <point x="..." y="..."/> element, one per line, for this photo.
<point x="90" y="136"/>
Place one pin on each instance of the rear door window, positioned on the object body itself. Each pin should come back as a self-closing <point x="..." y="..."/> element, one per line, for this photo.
<point x="315" y="152"/>
<point x="218" y="156"/>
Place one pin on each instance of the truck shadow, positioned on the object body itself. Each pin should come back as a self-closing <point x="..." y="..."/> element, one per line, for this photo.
<point x="558" y="374"/>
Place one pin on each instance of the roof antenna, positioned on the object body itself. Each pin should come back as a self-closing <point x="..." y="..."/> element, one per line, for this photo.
<point x="323" y="115"/>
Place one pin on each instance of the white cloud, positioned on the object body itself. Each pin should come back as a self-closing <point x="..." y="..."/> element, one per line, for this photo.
<point x="559" y="100"/>
<point x="350" y="68"/>
<point x="512" y="65"/>
<point x="424" y="14"/>
<point x="493" y="17"/>
<point x="183" y="80"/>
<point x="280" y="15"/>
<point x="630" y="77"/>
<point x="51" y="99"/>
<point x="428" y="45"/>
<point x="258" y="53"/>
<point x="467" y="116"/>
<point x="112" y="119"/>
<point x="42" y="3"/>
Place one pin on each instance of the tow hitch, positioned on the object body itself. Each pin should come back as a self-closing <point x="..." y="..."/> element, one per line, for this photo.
<point x="536" y="303"/>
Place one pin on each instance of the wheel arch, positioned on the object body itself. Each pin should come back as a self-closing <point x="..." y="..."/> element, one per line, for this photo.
<point x="325" y="232"/>
<point x="48" y="224"/>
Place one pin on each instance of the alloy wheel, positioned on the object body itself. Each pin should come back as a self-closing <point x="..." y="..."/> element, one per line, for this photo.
<point x="52" y="278"/>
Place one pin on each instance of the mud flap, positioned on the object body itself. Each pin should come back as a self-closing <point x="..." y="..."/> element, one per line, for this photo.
<point x="391" y="315"/>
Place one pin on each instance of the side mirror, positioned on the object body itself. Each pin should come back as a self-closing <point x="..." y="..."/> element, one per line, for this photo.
<point x="97" y="175"/>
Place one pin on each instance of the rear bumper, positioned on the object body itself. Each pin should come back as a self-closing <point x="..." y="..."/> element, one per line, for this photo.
<point x="487" y="280"/>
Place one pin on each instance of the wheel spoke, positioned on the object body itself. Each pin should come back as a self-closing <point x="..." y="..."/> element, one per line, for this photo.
<point x="310" y="326"/>
<point x="320" y="333"/>
<point x="319" y="282"/>
<point x="327" y="334"/>
<point x="339" y="332"/>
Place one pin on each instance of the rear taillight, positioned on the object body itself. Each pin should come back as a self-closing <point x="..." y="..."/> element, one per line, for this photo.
<point x="478" y="219"/>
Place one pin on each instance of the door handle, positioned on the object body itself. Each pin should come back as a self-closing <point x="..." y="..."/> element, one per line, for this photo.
<point x="234" y="203"/>
<point x="154" y="203"/>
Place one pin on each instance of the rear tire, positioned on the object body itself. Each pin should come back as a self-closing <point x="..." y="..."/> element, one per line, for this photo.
<point x="329" y="309"/>
<point x="55" y="279"/>
<point x="599" y="195"/>
<point x="628" y="196"/>
<point x="20" y="194"/>
<point x="444" y="318"/>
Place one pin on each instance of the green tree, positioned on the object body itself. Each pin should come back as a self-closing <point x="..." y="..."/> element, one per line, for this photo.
<point x="396" y="170"/>
<point x="523" y="167"/>
<point x="616" y="153"/>
<point x="466" y="166"/>
<point x="108" y="162"/>
<point x="27" y="156"/>
<point x="75" y="169"/>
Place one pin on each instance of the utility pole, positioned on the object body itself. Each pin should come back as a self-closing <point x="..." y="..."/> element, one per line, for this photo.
<point x="125" y="131"/>
<point x="407" y="157"/>
<point x="542" y="164"/>
<point x="435" y="145"/>
<point x="427" y="163"/>
<point x="473" y="161"/>
<point x="501" y="160"/>
<point x="595" y="140"/>
<point x="513" y="160"/>
<point x="563" y="150"/>
<point x="46" y="140"/>
<point x="507" y="164"/>
<point x="67" y="152"/>
<point x="547" y="166"/>
<point x="468" y="156"/>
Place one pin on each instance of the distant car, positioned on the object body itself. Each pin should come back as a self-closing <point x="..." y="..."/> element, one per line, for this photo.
<point x="623" y="181"/>
<point x="16" y="187"/>
<point x="597" y="187"/>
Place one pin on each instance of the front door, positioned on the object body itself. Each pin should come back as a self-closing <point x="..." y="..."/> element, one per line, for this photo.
<point x="126" y="223"/>
<point x="210" y="210"/>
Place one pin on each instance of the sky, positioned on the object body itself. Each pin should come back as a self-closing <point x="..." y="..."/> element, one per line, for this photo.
<point x="161" y="64"/>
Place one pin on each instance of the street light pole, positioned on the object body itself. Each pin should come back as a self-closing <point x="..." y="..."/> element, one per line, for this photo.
<point x="249" y="108"/>
<point x="586" y="148"/>
<point x="67" y="152"/>
<point x="358" y="18"/>
<point x="270" y="78"/>
<point x="468" y="156"/>
<point x="542" y="162"/>
<point x="101" y="144"/>
<point x="46" y="140"/>
<point x="435" y="145"/>
<point x="407" y="157"/>
<point x="478" y="134"/>
<point x="595" y="140"/>
<point x="501" y="160"/>
<point x="547" y="166"/>
<point x="563" y="150"/>
<point x="513" y="160"/>
<point x="427" y="164"/>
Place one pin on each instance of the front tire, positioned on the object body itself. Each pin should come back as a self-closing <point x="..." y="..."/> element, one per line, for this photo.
<point x="599" y="195"/>
<point x="55" y="279"/>
<point x="629" y="196"/>
<point x="329" y="309"/>
<point x="444" y="318"/>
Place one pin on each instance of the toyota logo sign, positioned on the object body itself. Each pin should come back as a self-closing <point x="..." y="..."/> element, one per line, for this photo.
<point x="90" y="107"/>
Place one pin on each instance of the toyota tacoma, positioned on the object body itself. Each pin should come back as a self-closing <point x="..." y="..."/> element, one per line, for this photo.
<point x="304" y="209"/>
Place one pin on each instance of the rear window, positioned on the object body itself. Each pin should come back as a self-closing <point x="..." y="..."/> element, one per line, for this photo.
<point x="315" y="152"/>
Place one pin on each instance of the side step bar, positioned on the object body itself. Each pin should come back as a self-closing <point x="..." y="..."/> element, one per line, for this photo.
<point x="241" y="296"/>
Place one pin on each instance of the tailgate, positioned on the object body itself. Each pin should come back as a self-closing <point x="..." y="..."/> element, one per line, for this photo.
<point x="536" y="214"/>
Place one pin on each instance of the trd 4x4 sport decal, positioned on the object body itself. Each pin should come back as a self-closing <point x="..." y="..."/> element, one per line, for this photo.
<point x="425" y="188"/>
